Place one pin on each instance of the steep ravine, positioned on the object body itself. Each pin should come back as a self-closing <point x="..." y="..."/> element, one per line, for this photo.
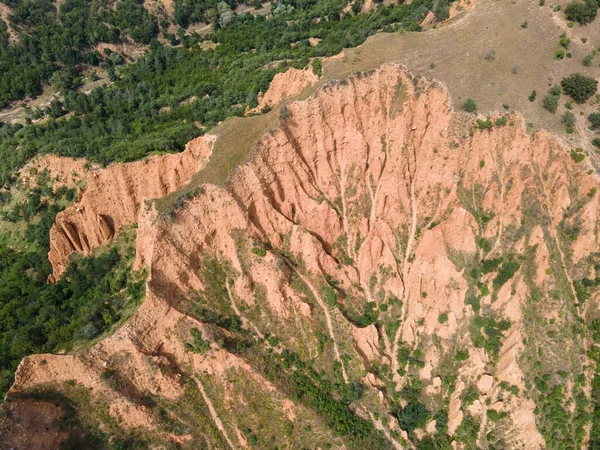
<point x="381" y="239"/>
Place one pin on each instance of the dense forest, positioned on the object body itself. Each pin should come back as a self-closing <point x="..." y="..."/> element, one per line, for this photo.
<point x="152" y="105"/>
<point x="57" y="43"/>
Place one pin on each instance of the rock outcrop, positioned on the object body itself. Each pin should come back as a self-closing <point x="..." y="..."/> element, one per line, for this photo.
<point x="286" y="85"/>
<point x="356" y="234"/>
<point x="113" y="196"/>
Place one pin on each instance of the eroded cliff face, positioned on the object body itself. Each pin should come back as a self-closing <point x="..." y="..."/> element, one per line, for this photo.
<point x="113" y="196"/>
<point x="286" y="85"/>
<point x="379" y="238"/>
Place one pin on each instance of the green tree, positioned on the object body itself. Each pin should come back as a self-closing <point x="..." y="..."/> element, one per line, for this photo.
<point x="551" y="102"/>
<point x="441" y="9"/>
<point x="63" y="80"/>
<point x="226" y="15"/>
<point x="414" y="415"/>
<point x="594" y="120"/>
<point x="579" y="87"/>
<point x="569" y="119"/>
<point x="532" y="96"/>
<point x="582" y="13"/>
<point x="469" y="105"/>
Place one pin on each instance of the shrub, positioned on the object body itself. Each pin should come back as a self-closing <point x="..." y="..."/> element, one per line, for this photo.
<point x="469" y="105"/>
<point x="317" y="67"/>
<point x="484" y="290"/>
<point x="442" y="11"/>
<point x="342" y="418"/>
<point x="532" y="96"/>
<point x="564" y="42"/>
<point x="414" y="415"/>
<point x="484" y="124"/>
<point x="471" y="394"/>
<point x="569" y="119"/>
<point x="330" y="296"/>
<point x="494" y="415"/>
<point x="578" y="154"/>
<point x="483" y="243"/>
<point x="596" y="142"/>
<point x="285" y="113"/>
<point x="551" y="102"/>
<point x="582" y="13"/>
<point x="490" y="265"/>
<point x="594" y="120"/>
<point x="198" y="345"/>
<point x="488" y="333"/>
<point x="500" y="122"/>
<point x="559" y="54"/>
<point x="461" y="355"/>
<point x="489" y="54"/>
<point x="579" y="87"/>
<point x="368" y="317"/>
<point x="506" y="272"/>
<point x="443" y="318"/>
<point x="475" y="302"/>
<point x="587" y="61"/>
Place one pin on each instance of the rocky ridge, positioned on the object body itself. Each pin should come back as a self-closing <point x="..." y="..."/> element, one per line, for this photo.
<point x="113" y="196"/>
<point x="377" y="234"/>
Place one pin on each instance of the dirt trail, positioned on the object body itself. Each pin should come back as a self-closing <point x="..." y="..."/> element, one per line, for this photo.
<point x="213" y="414"/>
<point x="328" y="320"/>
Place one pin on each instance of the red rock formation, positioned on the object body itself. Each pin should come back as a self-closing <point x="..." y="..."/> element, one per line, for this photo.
<point x="113" y="196"/>
<point x="286" y="85"/>
<point x="374" y="183"/>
